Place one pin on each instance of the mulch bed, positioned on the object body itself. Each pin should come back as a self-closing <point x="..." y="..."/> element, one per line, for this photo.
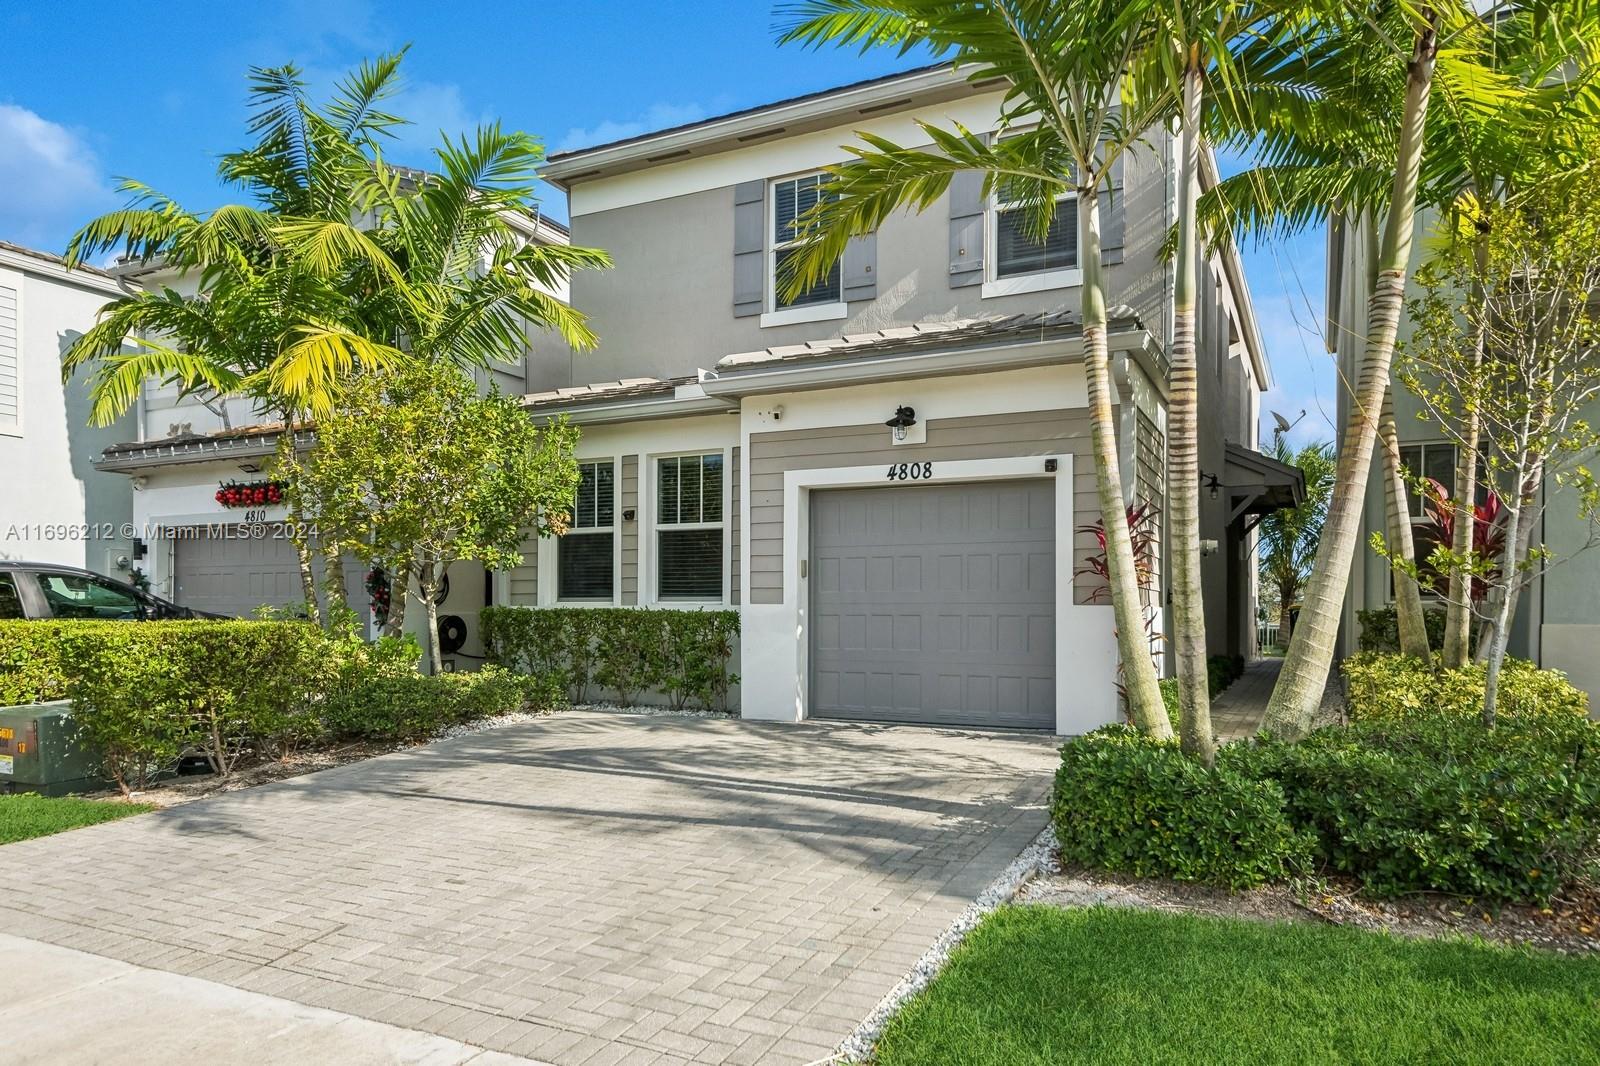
<point x="1571" y="925"/>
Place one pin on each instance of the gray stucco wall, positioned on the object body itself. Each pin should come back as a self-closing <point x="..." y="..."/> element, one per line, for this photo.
<point x="666" y="308"/>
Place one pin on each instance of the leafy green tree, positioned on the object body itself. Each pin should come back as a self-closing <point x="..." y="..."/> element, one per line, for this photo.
<point x="1514" y="369"/>
<point x="1081" y="89"/>
<point x="414" y="471"/>
<point x="1288" y="538"/>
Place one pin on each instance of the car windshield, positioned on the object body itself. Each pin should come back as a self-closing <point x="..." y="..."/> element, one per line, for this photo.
<point x="77" y="596"/>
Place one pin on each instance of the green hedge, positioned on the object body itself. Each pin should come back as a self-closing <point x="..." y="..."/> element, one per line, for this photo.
<point x="1389" y="688"/>
<point x="1380" y="629"/>
<point x="145" y="693"/>
<point x="624" y="651"/>
<point x="1431" y="805"/>
<point x="1124" y="802"/>
<point x="1510" y="814"/>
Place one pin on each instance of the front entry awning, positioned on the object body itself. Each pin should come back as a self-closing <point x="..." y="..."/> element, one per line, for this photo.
<point x="1258" y="484"/>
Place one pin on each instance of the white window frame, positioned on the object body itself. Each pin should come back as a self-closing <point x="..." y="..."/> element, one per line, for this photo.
<point x="549" y="587"/>
<point x="649" y="561"/>
<point x="14" y="279"/>
<point x="1039" y="281"/>
<point x="786" y="316"/>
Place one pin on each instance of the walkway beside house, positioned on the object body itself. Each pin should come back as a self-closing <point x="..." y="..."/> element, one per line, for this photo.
<point x="1239" y="710"/>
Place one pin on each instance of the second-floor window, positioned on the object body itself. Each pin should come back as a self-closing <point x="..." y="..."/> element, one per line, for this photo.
<point x="1017" y="251"/>
<point x="689" y="517"/>
<point x="584" y="558"/>
<point x="792" y="198"/>
<point x="1436" y="461"/>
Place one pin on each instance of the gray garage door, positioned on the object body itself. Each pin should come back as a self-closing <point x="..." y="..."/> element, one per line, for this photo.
<point x="935" y="604"/>
<point x="236" y="574"/>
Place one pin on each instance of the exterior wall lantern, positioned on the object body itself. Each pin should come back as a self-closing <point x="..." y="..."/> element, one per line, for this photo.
<point x="1211" y="482"/>
<point x="904" y="418"/>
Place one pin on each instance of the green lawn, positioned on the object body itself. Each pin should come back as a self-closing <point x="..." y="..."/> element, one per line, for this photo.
<point x="26" y="815"/>
<point x="1037" y="985"/>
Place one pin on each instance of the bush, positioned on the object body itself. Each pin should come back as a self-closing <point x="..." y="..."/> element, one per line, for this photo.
<point x="395" y="707"/>
<point x="143" y="693"/>
<point x="1380" y="629"/>
<point x="1222" y="671"/>
<point x="683" y="654"/>
<point x="1125" y="802"/>
<point x="1390" y="688"/>
<point x="1504" y="815"/>
<point x="30" y="662"/>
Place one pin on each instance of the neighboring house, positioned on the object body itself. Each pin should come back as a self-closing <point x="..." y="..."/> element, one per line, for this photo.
<point x="735" y="447"/>
<point x="54" y="505"/>
<point x="1557" y="624"/>
<point x="177" y="451"/>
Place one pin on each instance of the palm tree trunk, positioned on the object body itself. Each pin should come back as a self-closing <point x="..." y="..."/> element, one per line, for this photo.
<point x="287" y="460"/>
<point x="333" y="587"/>
<point x="1285" y="618"/>
<point x="1407" y="596"/>
<point x="1298" y="694"/>
<point x="1183" y="456"/>
<point x="1142" y="692"/>
<point x="1458" y="613"/>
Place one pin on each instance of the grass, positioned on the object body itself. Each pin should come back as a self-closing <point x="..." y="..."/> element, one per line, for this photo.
<point x="25" y="815"/>
<point x="1038" y="985"/>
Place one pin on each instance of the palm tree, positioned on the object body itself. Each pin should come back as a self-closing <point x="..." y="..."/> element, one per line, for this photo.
<point x="1289" y="537"/>
<point x="1080" y="91"/>
<point x="1334" y="149"/>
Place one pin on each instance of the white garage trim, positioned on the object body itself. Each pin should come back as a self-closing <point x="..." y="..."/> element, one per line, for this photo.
<point x="776" y="640"/>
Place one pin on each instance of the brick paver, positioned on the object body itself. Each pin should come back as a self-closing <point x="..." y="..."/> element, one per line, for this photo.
<point x="584" y="890"/>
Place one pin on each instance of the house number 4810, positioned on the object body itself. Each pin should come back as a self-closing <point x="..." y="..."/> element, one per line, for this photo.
<point x="910" y="471"/>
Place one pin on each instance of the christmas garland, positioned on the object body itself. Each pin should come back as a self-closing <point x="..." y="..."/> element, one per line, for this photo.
<point x="250" y="493"/>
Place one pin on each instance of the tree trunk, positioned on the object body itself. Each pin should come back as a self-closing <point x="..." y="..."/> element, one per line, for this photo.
<point x="1143" y="694"/>
<point x="1519" y="549"/>
<point x="399" y="589"/>
<point x="1458" y="612"/>
<point x="299" y="521"/>
<point x="1285" y="618"/>
<point x="1183" y="456"/>
<point x="429" y="586"/>
<point x="336" y="596"/>
<point x="1407" y="596"/>
<point x="1298" y="694"/>
<point x="1501" y="620"/>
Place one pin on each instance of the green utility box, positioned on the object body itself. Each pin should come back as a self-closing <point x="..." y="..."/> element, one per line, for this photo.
<point x="40" y="751"/>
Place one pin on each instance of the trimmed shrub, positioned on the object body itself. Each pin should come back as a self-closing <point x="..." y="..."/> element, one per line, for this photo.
<point x="1222" y="671"/>
<point x="412" y="706"/>
<point x="684" y="655"/>
<point x="1391" y="688"/>
<point x="30" y="661"/>
<point x="1504" y="815"/>
<point x="143" y="693"/>
<point x="1125" y="802"/>
<point x="1380" y="629"/>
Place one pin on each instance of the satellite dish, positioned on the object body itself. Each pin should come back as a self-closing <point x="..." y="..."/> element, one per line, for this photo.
<point x="1283" y="423"/>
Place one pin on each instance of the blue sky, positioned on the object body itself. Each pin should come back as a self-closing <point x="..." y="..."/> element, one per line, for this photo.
<point x="94" y="92"/>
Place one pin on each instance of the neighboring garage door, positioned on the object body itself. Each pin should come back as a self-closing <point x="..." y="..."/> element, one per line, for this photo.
<point x="935" y="604"/>
<point x="236" y="574"/>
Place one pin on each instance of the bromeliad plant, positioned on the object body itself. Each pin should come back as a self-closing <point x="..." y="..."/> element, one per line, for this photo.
<point x="1144" y="530"/>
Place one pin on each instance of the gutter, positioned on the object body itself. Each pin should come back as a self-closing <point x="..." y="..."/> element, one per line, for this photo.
<point x="159" y="454"/>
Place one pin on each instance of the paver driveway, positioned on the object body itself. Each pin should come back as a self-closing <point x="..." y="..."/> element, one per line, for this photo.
<point x="588" y="889"/>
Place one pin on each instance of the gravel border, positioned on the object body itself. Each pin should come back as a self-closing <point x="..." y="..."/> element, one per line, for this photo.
<point x="648" y="711"/>
<point x="1035" y="859"/>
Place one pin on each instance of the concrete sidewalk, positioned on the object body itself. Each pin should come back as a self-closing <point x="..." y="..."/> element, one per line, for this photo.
<point x="143" y="1015"/>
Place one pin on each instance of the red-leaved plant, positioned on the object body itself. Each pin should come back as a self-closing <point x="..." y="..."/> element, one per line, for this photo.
<point x="1146" y="536"/>
<point x="1437" y="529"/>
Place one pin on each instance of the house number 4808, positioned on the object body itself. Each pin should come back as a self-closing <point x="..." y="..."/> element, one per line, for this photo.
<point x="910" y="471"/>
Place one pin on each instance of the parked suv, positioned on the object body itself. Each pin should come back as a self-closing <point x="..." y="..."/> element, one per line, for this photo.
<point x="46" y="590"/>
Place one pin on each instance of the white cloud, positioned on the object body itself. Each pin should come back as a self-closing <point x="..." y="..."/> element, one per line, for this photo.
<point x="50" y="177"/>
<point x="432" y="108"/>
<point x="658" y="116"/>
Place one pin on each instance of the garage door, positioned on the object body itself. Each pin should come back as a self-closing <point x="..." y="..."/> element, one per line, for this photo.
<point x="236" y="574"/>
<point x="935" y="604"/>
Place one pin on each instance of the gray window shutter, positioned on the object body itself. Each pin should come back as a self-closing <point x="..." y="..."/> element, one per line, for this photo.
<point x="1113" y="210"/>
<point x="749" y="248"/>
<point x="861" y="268"/>
<point x="966" y="228"/>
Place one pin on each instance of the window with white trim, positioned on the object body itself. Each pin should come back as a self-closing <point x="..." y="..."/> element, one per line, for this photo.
<point x="791" y="198"/>
<point x="585" y="557"/>
<point x="1017" y="252"/>
<point x="689" y="524"/>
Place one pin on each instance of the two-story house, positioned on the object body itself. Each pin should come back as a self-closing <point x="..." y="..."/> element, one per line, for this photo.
<point x="55" y="507"/>
<point x="890" y="475"/>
